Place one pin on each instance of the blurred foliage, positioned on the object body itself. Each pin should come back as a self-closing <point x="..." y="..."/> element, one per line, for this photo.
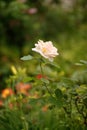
<point x="49" y="101"/>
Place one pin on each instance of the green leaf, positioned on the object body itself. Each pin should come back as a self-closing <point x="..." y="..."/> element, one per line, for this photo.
<point x="27" y="79"/>
<point x="28" y="57"/>
<point x="54" y="66"/>
<point x="78" y="64"/>
<point x="58" y="94"/>
<point x="45" y="80"/>
<point x="83" y="61"/>
<point x="54" y="101"/>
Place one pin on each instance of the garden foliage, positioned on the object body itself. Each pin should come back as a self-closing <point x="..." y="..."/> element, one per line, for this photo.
<point x="44" y="100"/>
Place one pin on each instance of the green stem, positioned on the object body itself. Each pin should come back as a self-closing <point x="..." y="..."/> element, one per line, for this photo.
<point x="41" y="68"/>
<point x="45" y="83"/>
<point x="48" y="90"/>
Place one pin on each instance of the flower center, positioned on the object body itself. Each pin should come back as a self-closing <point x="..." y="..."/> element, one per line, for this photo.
<point x="44" y="50"/>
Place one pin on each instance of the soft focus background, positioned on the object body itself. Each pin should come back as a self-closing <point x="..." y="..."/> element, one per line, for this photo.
<point x="24" y="22"/>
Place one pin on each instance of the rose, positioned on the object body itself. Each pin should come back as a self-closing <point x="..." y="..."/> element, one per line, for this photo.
<point x="46" y="49"/>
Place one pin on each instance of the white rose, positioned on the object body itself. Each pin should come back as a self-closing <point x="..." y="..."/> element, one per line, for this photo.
<point x="46" y="49"/>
